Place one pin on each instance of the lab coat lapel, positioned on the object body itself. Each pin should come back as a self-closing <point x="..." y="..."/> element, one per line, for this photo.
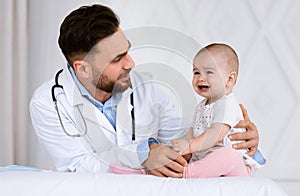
<point x="89" y="111"/>
<point x="75" y="99"/>
<point x="72" y="93"/>
<point x="124" y="121"/>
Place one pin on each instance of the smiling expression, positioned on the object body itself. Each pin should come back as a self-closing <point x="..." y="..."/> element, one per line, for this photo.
<point x="112" y="64"/>
<point x="210" y="75"/>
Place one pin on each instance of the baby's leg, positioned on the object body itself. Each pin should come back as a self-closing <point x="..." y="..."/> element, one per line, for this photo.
<point x="224" y="161"/>
<point x="117" y="169"/>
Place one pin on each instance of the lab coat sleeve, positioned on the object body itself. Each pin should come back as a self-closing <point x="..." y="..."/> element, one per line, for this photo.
<point x="174" y="125"/>
<point x="123" y="155"/>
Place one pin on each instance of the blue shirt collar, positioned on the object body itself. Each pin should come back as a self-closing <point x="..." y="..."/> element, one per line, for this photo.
<point x="111" y="102"/>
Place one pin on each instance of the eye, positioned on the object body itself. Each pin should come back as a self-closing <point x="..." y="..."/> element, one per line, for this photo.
<point x="196" y="72"/>
<point x="119" y="57"/>
<point x="209" y="72"/>
<point x="115" y="60"/>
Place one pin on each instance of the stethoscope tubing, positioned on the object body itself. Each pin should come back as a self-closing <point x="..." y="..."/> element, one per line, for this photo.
<point x="57" y="85"/>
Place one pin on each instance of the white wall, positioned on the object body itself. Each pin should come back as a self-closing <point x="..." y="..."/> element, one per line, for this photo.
<point x="264" y="33"/>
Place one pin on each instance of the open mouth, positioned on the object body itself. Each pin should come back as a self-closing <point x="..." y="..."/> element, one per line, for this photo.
<point x="203" y="87"/>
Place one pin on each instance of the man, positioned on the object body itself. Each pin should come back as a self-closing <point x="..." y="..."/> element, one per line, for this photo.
<point x="91" y="126"/>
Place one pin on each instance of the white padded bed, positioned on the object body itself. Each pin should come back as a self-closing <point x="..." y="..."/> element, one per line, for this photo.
<point x="50" y="183"/>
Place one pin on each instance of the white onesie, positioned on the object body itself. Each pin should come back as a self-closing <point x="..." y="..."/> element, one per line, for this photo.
<point x="226" y="111"/>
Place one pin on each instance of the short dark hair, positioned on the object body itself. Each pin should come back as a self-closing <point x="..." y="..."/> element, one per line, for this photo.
<point x="83" y="28"/>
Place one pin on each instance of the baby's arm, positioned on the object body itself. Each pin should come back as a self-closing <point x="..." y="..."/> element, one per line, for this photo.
<point x="207" y="139"/>
<point x="182" y="145"/>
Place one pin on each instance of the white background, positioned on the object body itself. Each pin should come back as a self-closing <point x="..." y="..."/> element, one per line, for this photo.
<point x="264" y="33"/>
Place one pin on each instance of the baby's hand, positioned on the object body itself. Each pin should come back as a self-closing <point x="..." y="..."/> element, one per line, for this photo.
<point x="181" y="146"/>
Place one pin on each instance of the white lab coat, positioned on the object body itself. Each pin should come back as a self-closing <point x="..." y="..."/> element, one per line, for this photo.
<point x="155" y="117"/>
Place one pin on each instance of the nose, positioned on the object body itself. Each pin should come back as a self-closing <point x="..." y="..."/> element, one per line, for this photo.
<point x="201" y="78"/>
<point x="128" y="63"/>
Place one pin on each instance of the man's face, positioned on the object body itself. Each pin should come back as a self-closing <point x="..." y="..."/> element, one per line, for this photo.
<point x="111" y="64"/>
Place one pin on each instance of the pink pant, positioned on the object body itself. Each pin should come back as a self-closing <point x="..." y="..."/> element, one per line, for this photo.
<point x="224" y="161"/>
<point x="117" y="169"/>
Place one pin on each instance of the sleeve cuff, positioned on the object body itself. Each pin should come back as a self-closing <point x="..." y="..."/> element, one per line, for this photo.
<point x="259" y="158"/>
<point x="152" y="140"/>
<point x="143" y="148"/>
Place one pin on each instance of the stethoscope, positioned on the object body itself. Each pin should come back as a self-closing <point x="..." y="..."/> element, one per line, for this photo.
<point x="57" y="85"/>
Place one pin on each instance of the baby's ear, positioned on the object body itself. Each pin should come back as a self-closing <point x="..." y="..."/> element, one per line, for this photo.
<point x="231" y="79"/>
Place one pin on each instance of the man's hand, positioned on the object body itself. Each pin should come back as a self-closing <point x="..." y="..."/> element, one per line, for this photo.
<point x="250" y="136"/>
<point x="163" y="161"/>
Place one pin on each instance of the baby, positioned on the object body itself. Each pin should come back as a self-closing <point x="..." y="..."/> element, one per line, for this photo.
<point x="215" y="71"/>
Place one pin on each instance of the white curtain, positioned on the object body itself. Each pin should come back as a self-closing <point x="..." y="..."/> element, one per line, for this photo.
<point x="13" y="82"/>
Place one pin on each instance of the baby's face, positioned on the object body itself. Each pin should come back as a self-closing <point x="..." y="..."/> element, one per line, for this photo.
<point x="210" y="75"/>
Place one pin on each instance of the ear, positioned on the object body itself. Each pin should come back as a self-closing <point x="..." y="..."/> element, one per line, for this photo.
<point x="81" y="68"/>
<point x="231" y="79"/>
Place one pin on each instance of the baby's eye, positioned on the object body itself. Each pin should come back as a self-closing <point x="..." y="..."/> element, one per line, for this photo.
<point x="196" y="72"/>
<point x="209" y="72"/>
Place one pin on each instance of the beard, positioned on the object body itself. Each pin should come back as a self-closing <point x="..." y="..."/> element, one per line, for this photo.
<point x="120" y="85"/>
